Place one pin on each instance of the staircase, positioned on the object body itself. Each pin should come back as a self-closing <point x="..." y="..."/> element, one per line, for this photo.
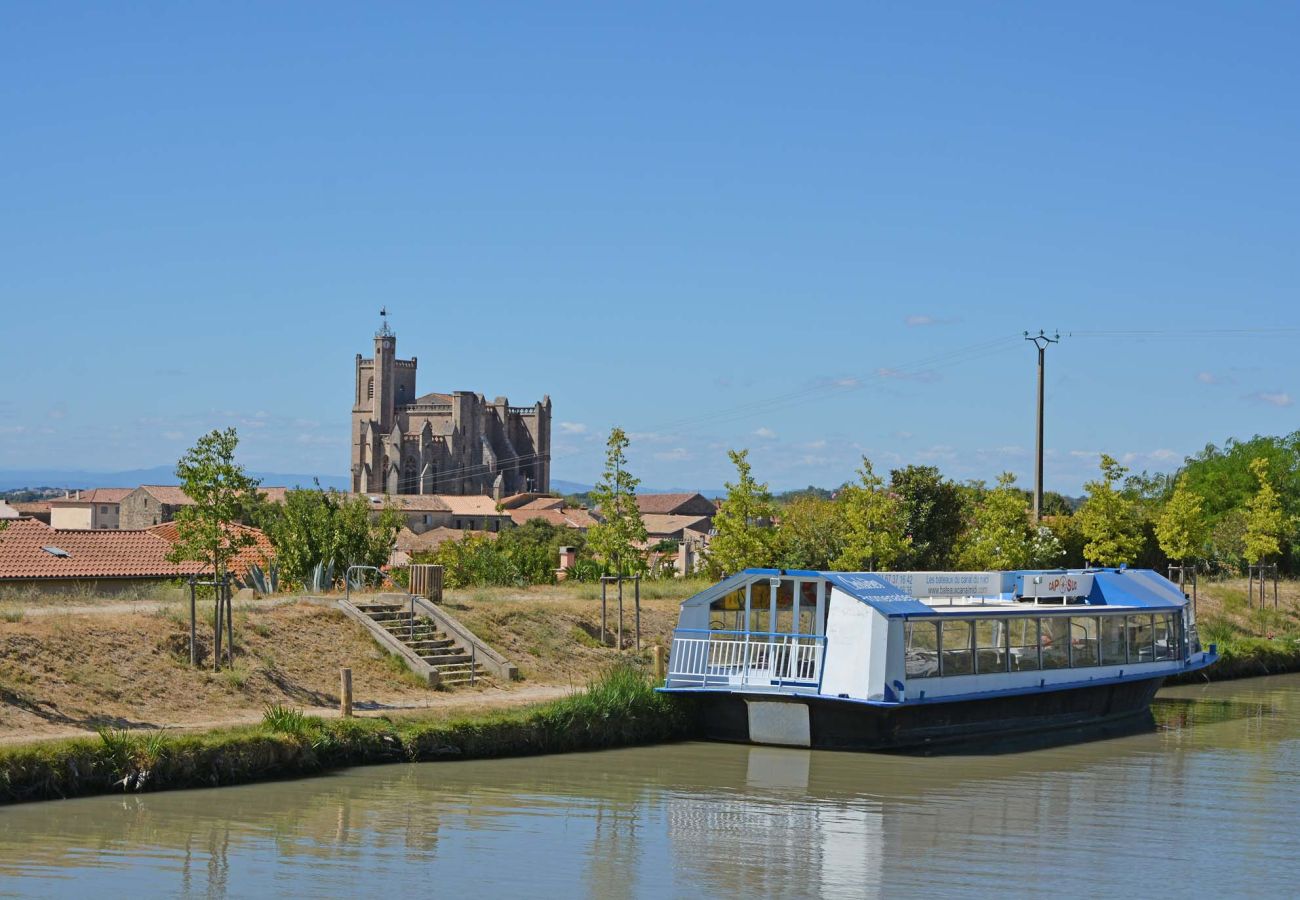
<point x="454" y="663"/>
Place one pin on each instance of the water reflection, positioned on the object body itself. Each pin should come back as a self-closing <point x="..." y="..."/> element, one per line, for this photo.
<point x="1211" y="792"/>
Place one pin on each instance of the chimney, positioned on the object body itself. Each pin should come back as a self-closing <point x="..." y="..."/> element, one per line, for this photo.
<point x="567" y="558"/>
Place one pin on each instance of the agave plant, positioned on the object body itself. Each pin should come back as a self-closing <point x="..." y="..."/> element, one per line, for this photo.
<point x="263" y="581"/>
<point x="321" y="577"/>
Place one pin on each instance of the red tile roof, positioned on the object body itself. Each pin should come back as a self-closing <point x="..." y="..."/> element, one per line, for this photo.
<point x="257" y="552"/>
<point x="666" y="504"/>
<point x="90" y="554"/>
<point x="663" y="525"/>
<point x="411" y="542"/>
<point x="97" y="495"/>
<point x="174" y="495"/>
<point x="564" y="518"/>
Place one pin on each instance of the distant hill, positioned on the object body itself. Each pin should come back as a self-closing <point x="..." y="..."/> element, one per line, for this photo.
<point x="15" y="479"/>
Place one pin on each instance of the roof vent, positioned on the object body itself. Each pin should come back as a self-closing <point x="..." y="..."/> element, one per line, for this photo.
<point x="55" y="551"/>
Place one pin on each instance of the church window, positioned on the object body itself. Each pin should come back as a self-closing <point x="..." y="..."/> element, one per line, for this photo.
<point x="370" y="389"/>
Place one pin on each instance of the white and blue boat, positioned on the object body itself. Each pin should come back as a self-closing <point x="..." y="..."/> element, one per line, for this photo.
<point x="906" y="660"/>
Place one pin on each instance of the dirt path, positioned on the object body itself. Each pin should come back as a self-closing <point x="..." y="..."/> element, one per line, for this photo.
<point x="488" y="698"/>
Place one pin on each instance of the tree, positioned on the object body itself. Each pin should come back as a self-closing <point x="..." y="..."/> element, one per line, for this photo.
<point x="1182" y="528"/>
<point x="809" y="534"/>
<point x="1109" y="519"/>
<point x="313" y="527"/>
<point x="1000" y="536"/>
<point x="208" y="529"/>
<point x="744" y="536"/>
<point x="617" y="537"/>
<point x="874" y="521"/>
<point x="1265" y="523"/>
<point x="934" y="516"/>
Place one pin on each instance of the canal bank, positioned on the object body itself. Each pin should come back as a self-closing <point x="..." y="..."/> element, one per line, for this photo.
<point x="619" y="710"/>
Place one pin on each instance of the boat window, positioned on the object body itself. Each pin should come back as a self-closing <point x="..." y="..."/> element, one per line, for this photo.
<point x="1166" y="637"/>
<point x="956" y="644"/>
<point x="727" y="613"/>
<point x="1141" y="636"/>
<point x="784" y="606"/>
<point x="1084" y="632"/>
<point x="1024" y="644"/>
<point x="1112" y="641"/>
<point x="990" y="645"/>
<point x="1055" y="642"/>
<point x="921" y="651"/>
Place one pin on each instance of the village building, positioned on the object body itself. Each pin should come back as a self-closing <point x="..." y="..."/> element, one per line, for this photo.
<point x="459" y="512"/>
<point x="552" y="510"/>
<point x="105" y="560"/>
<point x="88" y="510"/>
<point x="676" y="505"/>
<point x="408" y="543"/>
<point x="154" y="504"/>
<point x="436" y="443"/>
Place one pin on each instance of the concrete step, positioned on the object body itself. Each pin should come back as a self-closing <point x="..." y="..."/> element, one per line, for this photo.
<point x="442" y="659"/>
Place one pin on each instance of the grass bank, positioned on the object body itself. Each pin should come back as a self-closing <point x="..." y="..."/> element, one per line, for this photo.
<point x="620" y="709"/>
<point x="1247" y="657"/>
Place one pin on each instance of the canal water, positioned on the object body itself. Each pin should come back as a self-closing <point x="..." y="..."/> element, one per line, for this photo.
<point x="1207" y="803"/>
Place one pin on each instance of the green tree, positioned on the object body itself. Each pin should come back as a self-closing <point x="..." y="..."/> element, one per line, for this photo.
<point x="1000" y="535"/>
<point x="744" y="538"/>
<point x="208" y="530"/>
<point x="934" y="516"/>
<point x="316" y="526"/>
<point x="874" y="521"/>
<point x="620" y="532"/>
<point x="809" y="533"/>
<point x="1109" y="519"/>
<point x="1265" y="522"/>
<point x="1182" y="528"/>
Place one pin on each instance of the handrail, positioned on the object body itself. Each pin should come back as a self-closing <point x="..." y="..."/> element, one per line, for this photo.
<point x="493" y="661"/>
<point x="775" y="634"/>
<point x="761" y="659"/>
<point x="347" y="579"/>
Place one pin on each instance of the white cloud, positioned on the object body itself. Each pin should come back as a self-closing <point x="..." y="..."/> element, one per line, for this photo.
<point x="172" y="435"/>
<point x="1163" y="455"/>
<point x="765" y="433"/>
<point x="674" y="455"/>
<point x="573" y="428"/>
<point x="1211" y="378"/>
<point x="1272" y="398"/>
<point x="1086" y="454"/>
<point x="814" y="445"/>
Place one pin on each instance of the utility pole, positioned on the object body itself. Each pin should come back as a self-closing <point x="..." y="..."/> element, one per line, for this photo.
<point x="1041" y="341"/>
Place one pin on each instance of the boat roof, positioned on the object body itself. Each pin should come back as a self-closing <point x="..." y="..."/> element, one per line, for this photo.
<point x="900" y="594"/>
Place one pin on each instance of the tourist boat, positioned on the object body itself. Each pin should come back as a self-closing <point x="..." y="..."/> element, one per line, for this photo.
<point x="909" y="660"/>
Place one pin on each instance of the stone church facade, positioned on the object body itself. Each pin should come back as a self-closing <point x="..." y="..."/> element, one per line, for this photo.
<point x="457" y="443"/>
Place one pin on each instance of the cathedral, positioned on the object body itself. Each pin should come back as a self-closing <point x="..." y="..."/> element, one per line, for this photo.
<point x="457" y="443"/>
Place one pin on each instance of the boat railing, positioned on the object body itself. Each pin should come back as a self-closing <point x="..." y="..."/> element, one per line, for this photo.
<point x="755" y="659"/>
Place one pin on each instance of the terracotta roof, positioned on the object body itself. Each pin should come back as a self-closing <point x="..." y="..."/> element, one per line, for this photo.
<point x="88" y="554"/>
<point x="434" y="397"/>
<point x="257" y="552"/>
<point x="97" y="495"/>
<point x="32" y="507"/>
<point x="411" y="542"/>
<point x="665" y="503"/>
<point x="564" y="518"/>
<point x="518" y="501"/>
<point x="470" y="505"/>
<point x="174" y="495"/>
<point x="456" y="504"/>
<point x="545" y="503"/>
<point x="656" y="524"/>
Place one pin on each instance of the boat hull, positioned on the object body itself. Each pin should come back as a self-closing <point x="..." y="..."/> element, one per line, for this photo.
<point x="1074" y="713"/>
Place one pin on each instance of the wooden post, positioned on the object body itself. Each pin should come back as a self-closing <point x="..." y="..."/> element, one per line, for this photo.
<point x="216" y="641"/>
<point x="603" y="616"/>
<point x="345" y="692"/>
<point x="194" y="651"/>
<point x="620" y="610"/>
<point x="638" y="613"/>
<point x="659" y="663"/>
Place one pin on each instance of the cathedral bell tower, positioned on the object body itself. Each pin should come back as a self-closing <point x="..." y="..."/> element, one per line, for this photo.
<point x="385" y="376"/>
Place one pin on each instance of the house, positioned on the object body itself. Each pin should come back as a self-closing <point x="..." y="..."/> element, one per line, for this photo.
<point x="32" y="552"/>
<point x="88" y="510"/>
<point x="554" y="511"/>
<point x="676" y="505"/>
<point x="409" y="543"/>
<point x="424" y="512"/>
<point x="663" y="527"/>
<point x="154" y="504"/>
<point x="33" y="509"/>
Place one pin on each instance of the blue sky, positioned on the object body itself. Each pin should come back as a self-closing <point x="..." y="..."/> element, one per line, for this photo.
<point x="813" y="230"/>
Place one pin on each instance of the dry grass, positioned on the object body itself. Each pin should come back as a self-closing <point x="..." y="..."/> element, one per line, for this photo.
<point x="1222" y="611"/>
